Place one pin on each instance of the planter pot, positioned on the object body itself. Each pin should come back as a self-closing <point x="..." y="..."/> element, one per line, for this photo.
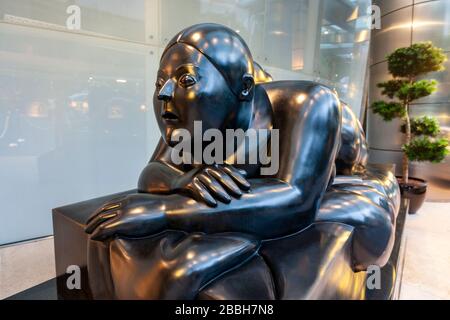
<point x="415" y="190"/>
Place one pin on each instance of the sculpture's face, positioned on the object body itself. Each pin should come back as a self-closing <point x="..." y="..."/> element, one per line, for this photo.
<point x="189" y="88"/>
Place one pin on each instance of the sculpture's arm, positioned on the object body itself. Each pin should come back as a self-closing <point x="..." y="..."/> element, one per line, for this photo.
<point x="270" y="209"/>
<point x="207" y="184"/>
<point x="275" y="205"/>
<point x="158" y="175"/>
<point x="309" y="120"/>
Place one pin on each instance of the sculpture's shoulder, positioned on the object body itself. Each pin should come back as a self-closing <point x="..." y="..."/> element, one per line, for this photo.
<point x="307" y="102"/>
<point x="291" y="94"/>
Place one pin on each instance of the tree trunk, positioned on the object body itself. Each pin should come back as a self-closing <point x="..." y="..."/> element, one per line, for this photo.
<point x="405" y="166"/>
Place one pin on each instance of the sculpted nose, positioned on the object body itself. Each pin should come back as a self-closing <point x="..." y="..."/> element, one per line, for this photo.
<point x="166" y="92"/>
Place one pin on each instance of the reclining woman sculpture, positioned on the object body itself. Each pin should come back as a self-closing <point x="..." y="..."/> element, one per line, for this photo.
<point x="192" y="225"/>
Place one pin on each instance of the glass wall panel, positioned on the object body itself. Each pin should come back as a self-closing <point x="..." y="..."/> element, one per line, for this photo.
<point x="344" y="47"/>
<point x="322" y="40"/>
<point x="74" y="114"/>
<point x="114" y="18"/>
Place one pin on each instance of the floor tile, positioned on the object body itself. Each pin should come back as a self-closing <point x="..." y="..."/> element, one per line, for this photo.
<point x="25" y="265"/>
<point x="427" y="258"/>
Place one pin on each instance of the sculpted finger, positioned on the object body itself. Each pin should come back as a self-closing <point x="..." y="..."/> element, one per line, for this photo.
<point x="113" y="205"/>
<point x="214" y="187"/>
<point x="237" y="177"/>
<point x="225" y="180"/>
<point x="99" y="219"/>
<point x="242" y="172"/>
<point x="201" y="193"/>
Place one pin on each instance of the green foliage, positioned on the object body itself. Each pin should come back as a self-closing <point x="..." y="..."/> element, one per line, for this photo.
<point x="391" y="87"/>
<point x="405" y="64"/>
<point x="426" y="149"/>
<point x="388" y="110"/>
<point x="417" y="59"/>
<point x="406" y="91"/>
<point x="416" y="90"/>
<point x="423" y="126"/>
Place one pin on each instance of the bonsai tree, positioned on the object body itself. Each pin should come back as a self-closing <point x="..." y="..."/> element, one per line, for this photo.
<point x="422" y="135"/>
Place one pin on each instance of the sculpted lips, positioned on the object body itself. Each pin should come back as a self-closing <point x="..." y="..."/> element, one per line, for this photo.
<point x="169" y="116"/>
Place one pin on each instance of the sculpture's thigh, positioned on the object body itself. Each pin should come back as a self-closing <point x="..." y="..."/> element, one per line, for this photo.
<point x="371" y="216"/>
<point x="172" y="264"/>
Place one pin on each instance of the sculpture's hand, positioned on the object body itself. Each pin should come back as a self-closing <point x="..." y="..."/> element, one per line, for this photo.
<point x="211" y="183"/>
<point x="133" y="215"/>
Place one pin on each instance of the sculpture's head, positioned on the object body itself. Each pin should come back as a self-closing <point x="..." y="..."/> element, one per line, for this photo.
<point x="205" y="74"/>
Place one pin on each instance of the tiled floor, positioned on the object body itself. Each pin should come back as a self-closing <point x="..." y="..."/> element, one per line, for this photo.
<point x="425" y="275"/>
<point x="25" y="265"/>
<point x="427" y="260"/>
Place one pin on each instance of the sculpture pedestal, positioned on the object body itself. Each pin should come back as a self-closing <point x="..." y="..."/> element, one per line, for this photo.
<point x="71" y="242"/>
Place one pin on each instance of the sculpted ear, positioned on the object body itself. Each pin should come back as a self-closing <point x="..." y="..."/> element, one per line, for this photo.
<point x="248" y="87"/>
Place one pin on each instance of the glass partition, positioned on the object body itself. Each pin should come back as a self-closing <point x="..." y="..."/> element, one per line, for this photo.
<point x="322" y="40"/>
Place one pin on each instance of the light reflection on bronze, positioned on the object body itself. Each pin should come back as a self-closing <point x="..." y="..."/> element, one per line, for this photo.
<point x="310" y="229"/>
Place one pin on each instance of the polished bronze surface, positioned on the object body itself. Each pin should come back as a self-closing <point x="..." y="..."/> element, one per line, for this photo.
<point x="188" y="225"/>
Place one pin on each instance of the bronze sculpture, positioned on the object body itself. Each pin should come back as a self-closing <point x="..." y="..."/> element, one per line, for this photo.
<point x="201" y="230"/>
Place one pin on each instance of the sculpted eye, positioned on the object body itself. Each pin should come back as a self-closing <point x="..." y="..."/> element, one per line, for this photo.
<point x="187" y="80"/>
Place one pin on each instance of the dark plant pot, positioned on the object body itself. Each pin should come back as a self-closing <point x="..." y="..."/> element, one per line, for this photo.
<point x="415" y="190"/>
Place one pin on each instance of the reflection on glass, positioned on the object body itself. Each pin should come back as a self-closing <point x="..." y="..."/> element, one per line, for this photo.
<point x="323" y="40"/>
<point x="344" y="45"/>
